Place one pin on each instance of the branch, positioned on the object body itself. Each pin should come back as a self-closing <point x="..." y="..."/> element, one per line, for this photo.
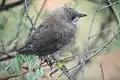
<point x="97" y="52"/>
<point x="65" y="72"/>
<point x="31" y="20"/>
<point x="11" y="5"/>
<point x="99" y="33"/>
<point x="86" y="48"/>
<point x="114" y="3"/>
<point x="9" y="77"/>
<point x="101" y="66"/>
<point x="3" y="3"/>
<point x="40" y="11"/>
<point x="7" y="56"/>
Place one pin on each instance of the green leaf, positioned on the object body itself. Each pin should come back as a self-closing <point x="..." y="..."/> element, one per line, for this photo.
<point x="31" y="62"/>
<point x="39" y="72"/>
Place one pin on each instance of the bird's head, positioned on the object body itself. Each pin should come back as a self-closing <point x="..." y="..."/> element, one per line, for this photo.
<point x="68" y="14"/>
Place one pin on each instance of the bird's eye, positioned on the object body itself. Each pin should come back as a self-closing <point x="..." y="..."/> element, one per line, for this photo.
<point x="73" y="18"/>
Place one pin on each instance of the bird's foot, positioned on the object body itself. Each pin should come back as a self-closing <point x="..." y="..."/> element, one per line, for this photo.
<point x="47" y="61"/>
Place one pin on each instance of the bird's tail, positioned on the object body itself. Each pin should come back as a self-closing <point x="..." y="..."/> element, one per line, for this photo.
<point x="22" y="50"/>
<point x="25" y="50"/>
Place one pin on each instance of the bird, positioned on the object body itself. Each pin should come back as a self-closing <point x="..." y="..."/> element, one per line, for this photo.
<point x="54" y="33"/>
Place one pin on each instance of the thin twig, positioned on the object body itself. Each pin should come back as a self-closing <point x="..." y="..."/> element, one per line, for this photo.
<point x="89" y="32"/>
<point x="117" y="15"/>
<point x="3" y="3"/>
<point x="26" y="12"/>
<point x="103" y="78"/>
<point x="99" y="33"/>
<point x="40" y="11"/>
<point x="115" y="12"/>
<point x="103" y="46"/>
<point x="86" y="48"/>
<point x="9" y="77"/>
<point x="108" y="5"/>
<point x="64" y="60"/>
<point x="33" y="24"/>
<point x="3" y="53"/>
<point x="29" y="18"/>
<point x="97" y="52"/>
<point x="10" y="5"/>
<point x="86" y="45"/>
<point x="7" y="56"/>
<point x="65" y="72"/>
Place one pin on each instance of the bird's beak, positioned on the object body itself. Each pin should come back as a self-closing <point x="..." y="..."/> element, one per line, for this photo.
<point x="81" y="15"/>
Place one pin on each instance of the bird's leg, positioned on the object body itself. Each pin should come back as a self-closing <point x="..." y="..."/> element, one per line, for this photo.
<point x="47" y="60"/>
<point x="42" y="61"/>
<point x="50" y="62"/>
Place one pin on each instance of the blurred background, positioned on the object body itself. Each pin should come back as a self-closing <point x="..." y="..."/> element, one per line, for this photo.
<point x="99" y="28"/>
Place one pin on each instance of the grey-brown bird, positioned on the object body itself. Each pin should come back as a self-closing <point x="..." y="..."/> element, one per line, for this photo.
<point x="54" y="33"/>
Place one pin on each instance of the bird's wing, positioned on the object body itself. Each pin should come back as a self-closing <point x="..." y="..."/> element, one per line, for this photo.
<point x="45" y="40"/>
